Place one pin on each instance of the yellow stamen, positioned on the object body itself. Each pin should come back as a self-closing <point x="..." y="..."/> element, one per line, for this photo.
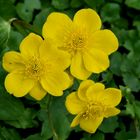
<point x="93" y="111"/>
<point x="34" y="68"/>
<point x="75" y="41"/>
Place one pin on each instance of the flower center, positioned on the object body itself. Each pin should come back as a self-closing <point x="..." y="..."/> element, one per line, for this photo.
<point x="74" y="41"/>
<point x="93" y="110"/>
<point x="34" y="68"/>
<point x="78" y="42"/>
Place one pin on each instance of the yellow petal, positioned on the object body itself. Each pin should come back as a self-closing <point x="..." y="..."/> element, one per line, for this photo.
<point x="30" y="45"/>
<point x="88" y="19"/>
<point x="17" y="84"/>
<point x="111" y="97"/>
<point x="95" y="61"/>
<point x="76" y="121"/>
<point x="55" y="82"/>
<point x="58" y="57"/>
<point x="38" y="92"/>
<point x="73" y="104"/>
<point x="94" y="92"/>
<point x="12" y="60"/>
<point x="111" y="112"/>
<point x="90" y="125"/>
<point x="84" y="85"/>
<point x="77" y="67"/>
<point x="56" y="25"/>
<point x="104" y="40"/>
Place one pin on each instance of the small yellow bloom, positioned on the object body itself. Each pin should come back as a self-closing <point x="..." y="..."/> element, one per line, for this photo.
<point x="82" y="38"/>
<point x="37" y="69"/>
<point x="91" y="103"/>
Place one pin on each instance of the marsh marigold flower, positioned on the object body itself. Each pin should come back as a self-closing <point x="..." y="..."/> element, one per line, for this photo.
<point x="83" y="40"/>
<point x="36" y="69"/>
<point x="91" y="103"/>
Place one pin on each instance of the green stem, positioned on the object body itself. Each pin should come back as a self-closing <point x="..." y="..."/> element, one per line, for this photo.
<point x="23" y="26"/>
<point x="49" y="117"/>
<point x="137" y="127"/>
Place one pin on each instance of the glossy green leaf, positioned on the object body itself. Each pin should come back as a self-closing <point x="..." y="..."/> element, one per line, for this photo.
<point x="4" y="33"/>
<point x="9" y="134"/>
<point x="110" y="12"/>
<point x="133" y="3"/>
<point x="23" y="12"/>
<point x="60" y="4"/>
<point x="7" y="9"/>
<point x="109" y="125"/>
<point x="32" y="4"/>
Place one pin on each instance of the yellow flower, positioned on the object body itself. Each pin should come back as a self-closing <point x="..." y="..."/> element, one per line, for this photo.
<point x="82" y="38"/>
<point x="92" y="102"/>
<point x="37" y="69"/>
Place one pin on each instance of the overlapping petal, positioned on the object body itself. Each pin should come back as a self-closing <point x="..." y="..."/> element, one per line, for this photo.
<point x="111" y="97"/>
<point x="95" y="60"/>
<point x="95" y="91"/>
<point x="55" y="82"/>
<point x="58" y="57"/>
<point x="90" y="125"/>
<point x="74" y="104"/>
<point x="56" y="26"/>
<point x="84" y="86"/>
<point x="109" y="112"/>
<point x="104" y="40"/>
<point x="87" y="19"/>
<point x="12" y="60"/>
<point x="76" y="120"/>
<point x="77" y="67"/>
<point x="37" y="92"/>
<point x="30" y="45"/>
<point x="17" y="84"/>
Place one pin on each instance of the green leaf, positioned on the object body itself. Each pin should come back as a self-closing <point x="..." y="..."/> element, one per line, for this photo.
<point x="60" y="122"/>
<point x="136" y="23"/>
<point x="86" y="136"/>
<point x="110" y="12"/>
<point x="32" y="4"/>
<point x="46" y="131"/>
<point x="120" y="1"/>
<point x="133" y="4"/>
<point x="136" y="108"/>
<point x="130" y="110"/>
<point x="24" y="13"/>
<point x="41" y="17"/>
<point x="98" y="136"/>
<point x="7" y="9"/>
<point x="34" y="137"/>
<point x="107" y="76"/>
<point x="70" y="13"/>
<point x="4" y="33"/>
<point x="14" y="40"/>
<point x="123" y="135"/>
<point x="25" y="120"/>
<point x="9" y="134"/>
<point x="14" y="113"/>
<point x="121" y="34"/>
<point x="115" y="62"/>
<point x="60" y="4"/>
<point x="94" y="3"/>
<point x="120" y="23"/>
<point x="76" y="3"/>
<point x="131" y="81"/>
<point x="109" y="125"/>
<point x="11" y="108"/>
<point x="54" y="117"/>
